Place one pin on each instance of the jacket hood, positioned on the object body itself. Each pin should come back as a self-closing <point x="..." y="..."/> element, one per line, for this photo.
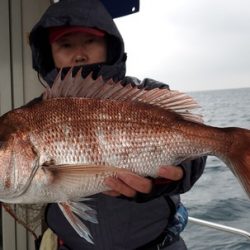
<point x="87" y="13"/>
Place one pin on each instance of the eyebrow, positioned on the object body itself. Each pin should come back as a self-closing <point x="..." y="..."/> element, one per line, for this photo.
<point x="62" y="39"/>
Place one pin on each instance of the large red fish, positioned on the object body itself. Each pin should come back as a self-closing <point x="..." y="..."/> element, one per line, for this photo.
<point x="62" y="148"/>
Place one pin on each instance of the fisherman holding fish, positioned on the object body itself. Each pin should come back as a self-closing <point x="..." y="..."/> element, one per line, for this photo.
<point x="134" y="212"/>
<point x="110" y="154"/>
<point x="137" y="212"/>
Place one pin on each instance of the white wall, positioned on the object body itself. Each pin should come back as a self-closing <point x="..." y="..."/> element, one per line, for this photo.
<point x="18" y="84"/>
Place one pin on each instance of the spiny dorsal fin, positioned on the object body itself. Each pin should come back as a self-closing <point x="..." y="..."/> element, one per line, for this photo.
<point x="87" y="87"/>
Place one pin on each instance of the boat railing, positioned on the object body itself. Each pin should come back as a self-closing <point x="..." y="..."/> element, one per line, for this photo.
<point x="219" y="227"/>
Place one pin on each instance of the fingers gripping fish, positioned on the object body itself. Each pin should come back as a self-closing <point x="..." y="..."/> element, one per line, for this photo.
<point x="62" y="148"/>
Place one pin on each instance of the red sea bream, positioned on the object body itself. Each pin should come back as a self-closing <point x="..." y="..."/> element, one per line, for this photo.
<point x="61" y="148"/>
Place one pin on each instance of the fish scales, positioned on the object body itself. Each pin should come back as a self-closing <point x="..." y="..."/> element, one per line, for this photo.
<point x="104" y="132"/>
<point x="106" y="135"/>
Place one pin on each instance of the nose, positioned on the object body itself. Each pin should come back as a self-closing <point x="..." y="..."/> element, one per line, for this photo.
<point x="80" y="57"/>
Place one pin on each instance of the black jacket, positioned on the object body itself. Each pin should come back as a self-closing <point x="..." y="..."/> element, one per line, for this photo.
<point x="123" y="223"/>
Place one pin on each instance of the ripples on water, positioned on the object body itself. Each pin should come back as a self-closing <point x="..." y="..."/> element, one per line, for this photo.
<point x="218" y="196"/>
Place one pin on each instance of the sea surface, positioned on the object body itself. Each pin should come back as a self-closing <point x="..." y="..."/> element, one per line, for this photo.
<point x="217" y="196"/>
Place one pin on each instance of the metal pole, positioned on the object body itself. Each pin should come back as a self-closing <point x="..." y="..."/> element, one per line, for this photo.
<point x="220" y="227"/>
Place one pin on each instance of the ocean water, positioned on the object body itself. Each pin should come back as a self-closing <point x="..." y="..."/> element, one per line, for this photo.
<point x="217" y="196"/>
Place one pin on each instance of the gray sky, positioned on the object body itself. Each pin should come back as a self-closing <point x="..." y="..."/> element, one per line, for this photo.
<point x="190" y="44"/>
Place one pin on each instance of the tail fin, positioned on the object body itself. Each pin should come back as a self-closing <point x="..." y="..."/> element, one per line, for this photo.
<point x="238" y="156"/>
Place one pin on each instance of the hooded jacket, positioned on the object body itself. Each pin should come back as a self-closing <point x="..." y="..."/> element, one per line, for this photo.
<point x="123" y="223"/>
<point x="87" y="13"/>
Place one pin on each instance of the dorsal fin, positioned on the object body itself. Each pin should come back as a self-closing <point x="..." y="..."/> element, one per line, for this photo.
<point x="87" y="87"/>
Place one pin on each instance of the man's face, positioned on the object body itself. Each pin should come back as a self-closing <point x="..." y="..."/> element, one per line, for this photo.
<point x="79" y="49"/>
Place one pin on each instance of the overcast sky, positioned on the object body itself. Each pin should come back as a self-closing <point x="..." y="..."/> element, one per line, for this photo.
<point x="190" y="44"/>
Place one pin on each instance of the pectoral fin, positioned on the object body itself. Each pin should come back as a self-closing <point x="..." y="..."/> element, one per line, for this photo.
<point x="73" y="174"/>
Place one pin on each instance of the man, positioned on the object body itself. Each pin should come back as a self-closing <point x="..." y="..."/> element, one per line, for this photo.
<point x="141" y="215"/>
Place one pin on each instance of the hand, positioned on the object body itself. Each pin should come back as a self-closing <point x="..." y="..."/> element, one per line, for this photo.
<point x="128" y="184"/>
<point x="172" y="173"/>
